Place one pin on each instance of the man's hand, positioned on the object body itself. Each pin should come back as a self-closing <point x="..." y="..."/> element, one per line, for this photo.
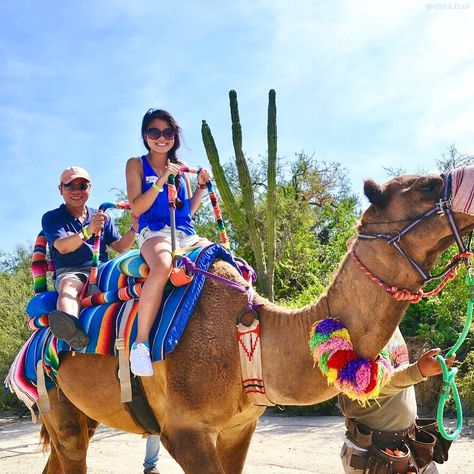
<point x="97" y="222"/>
<point x="429" y="365"/>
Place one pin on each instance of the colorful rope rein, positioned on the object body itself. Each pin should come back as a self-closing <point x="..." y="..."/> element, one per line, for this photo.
<point x="215" y="207"/>
<point x="358" y="378"/>
<point x="402" y="294"/>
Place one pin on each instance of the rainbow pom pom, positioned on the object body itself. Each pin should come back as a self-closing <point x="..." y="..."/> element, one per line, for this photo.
<point x="360" y="379"/>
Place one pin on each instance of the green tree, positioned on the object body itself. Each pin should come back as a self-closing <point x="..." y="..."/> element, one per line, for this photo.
<point x="315" y="216"/>
<point x="16" y="289"/>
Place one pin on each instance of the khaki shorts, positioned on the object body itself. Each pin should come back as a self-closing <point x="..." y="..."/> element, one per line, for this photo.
<point x="80" y="274"/>
<point x="183" y="240"/>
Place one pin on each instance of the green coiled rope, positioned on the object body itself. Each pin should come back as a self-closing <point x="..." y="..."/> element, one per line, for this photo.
<point x="449" y="384"/>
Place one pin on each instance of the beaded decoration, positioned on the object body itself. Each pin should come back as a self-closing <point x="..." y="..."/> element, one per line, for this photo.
<point x="360" y="379"/>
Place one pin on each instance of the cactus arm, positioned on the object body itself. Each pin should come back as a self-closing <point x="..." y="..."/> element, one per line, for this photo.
<point x="248" y="198"/>
<point x="236" y="215"/>
<point x="271" y="191"/>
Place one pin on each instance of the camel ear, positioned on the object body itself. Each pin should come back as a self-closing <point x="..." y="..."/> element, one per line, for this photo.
<point x="374" y="193"/>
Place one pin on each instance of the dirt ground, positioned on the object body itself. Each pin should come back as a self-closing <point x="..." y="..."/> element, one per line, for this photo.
<point x="281" y="445"/>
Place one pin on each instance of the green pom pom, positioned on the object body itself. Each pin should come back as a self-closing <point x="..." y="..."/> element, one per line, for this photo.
<point x="317" y="339"/>
<point x="323" y="363"/>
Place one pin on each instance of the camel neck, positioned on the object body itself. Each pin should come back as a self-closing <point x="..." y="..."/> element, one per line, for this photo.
<point x="367" y="311"/>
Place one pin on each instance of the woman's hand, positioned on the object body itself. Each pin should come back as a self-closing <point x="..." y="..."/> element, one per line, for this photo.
<point x="203" y="177"/>
<point x="172" y="168"/>
<point x="429" y="365"/>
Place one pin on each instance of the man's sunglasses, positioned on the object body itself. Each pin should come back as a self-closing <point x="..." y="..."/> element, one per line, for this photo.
<point x="155" y="133"/>
<point x="76" y="187"/>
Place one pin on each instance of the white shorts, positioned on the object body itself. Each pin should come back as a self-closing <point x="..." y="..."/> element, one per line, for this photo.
<point x="183" y="240"/>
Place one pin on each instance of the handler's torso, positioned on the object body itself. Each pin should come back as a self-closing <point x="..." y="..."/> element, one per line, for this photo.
<point x="393" y="413"/>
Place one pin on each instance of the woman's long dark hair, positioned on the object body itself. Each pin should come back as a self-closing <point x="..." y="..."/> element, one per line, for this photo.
<point x="153" y="114"/>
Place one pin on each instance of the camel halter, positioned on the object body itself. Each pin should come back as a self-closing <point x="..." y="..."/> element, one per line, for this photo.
<point x="443" y="206"/>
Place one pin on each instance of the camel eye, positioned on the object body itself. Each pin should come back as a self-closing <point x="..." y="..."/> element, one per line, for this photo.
<point x="428" y="188"/>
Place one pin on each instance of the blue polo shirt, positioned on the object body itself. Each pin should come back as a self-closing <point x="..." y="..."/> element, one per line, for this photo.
<point x="61" y="223"/>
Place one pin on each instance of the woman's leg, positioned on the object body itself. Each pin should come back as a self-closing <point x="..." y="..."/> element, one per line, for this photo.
<point x="157" y="253"/>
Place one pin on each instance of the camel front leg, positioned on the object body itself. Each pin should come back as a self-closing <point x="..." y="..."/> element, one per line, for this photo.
<point x="68" y="430"/>
<point x="232" y="446"/>
<point x="193" y="450"/>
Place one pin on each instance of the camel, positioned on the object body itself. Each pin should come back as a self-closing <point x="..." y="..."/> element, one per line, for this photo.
<point x="206" y="419"/>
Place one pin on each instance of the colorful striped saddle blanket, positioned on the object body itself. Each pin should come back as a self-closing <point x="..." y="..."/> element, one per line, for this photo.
<point x="119" y="281"/>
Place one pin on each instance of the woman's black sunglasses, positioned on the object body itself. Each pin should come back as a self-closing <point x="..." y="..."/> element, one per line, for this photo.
<point x="155" y="133"/>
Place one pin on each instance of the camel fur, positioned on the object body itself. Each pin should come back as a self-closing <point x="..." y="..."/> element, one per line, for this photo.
<point x="196" y="394"/>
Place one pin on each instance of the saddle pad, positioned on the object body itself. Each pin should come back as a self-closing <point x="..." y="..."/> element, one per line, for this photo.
<point x="102" y="321"/>
<point x="21" y="378"/>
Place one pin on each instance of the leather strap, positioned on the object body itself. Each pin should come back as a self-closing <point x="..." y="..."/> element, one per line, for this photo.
<point x="124" y="369"/>
<point x="43" y="399"/>
<point x="140" y="409"/>
<point x="365" y="437"/>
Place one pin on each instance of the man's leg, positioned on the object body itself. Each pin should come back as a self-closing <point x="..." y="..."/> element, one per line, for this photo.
<point x="152" y="453"/>
<point x="64" y="322"/>
<point x="69" y="288"/>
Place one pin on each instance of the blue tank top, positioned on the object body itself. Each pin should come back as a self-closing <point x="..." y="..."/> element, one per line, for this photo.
<point x="158" y="215"/>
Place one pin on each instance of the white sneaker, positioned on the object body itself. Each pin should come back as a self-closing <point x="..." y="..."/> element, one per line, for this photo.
<point x="140" y="362"/>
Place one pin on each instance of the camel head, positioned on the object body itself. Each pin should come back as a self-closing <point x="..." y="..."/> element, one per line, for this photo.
<point x="419" y="216"/>
<point x="410" y="221"/>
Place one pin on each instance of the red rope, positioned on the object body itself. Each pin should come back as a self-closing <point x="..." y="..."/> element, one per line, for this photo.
<point x="402" y="294"/>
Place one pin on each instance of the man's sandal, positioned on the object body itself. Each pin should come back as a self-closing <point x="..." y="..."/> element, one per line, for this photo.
<point x="68" y="328"/>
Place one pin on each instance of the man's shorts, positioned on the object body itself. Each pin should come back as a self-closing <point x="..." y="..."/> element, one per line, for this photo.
<point x="183" y="240"/>
<point x="80" y="274"/>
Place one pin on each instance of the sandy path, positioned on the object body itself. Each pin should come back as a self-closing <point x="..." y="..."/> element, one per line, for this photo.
<point x="281" y="445"/>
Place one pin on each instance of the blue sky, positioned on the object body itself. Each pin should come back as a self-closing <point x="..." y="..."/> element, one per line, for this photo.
<point x="366" y="83"/>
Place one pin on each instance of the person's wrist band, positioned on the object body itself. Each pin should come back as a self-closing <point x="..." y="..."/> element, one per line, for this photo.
<point x="132" y="229"/>
<point x="202" y="186"/>
<point x="158" y="188"/>
<point x="81" y="235"/>
<point x="86" y="233"/>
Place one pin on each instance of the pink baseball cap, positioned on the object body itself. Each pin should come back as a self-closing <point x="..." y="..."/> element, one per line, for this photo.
<point x="72" y="173"/>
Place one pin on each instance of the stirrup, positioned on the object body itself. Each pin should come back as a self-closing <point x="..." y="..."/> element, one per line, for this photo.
<point x="179" y="277"/>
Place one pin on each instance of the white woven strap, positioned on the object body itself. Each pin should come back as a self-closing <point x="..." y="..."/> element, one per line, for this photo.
<point x="249" y="343"/>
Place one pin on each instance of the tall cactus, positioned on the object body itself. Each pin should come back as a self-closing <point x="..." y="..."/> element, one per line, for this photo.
<point x="245" y="221"/>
